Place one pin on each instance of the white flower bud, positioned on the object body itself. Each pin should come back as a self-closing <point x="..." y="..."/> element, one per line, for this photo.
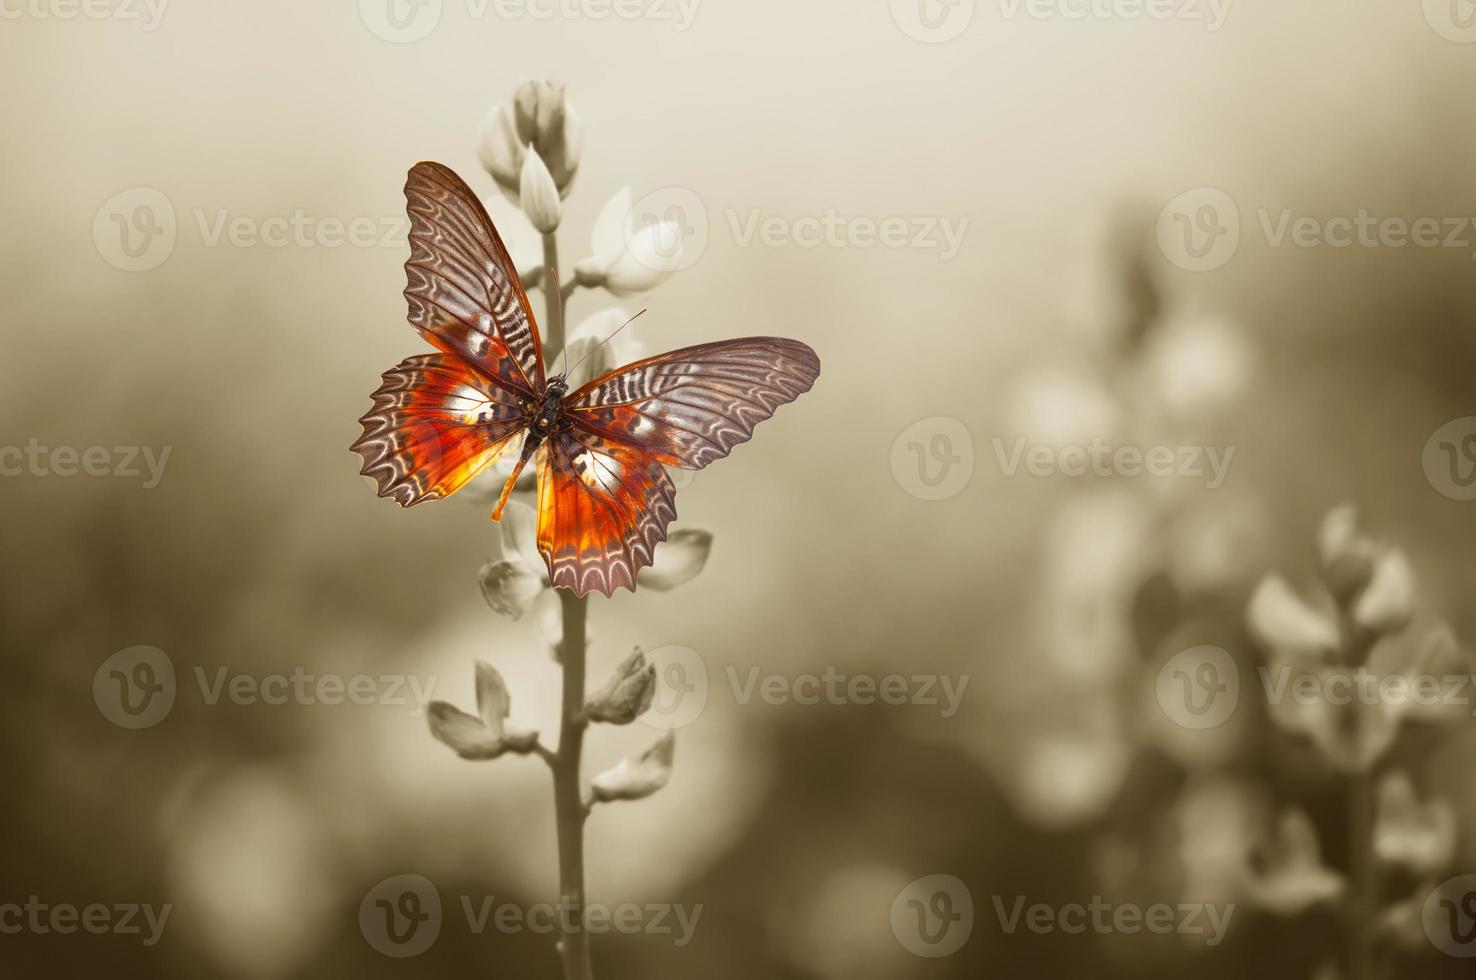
<point x="510" y="587"/>
<point x="488" y="735"/>
<point x="538" y="194"/>
<point x="639" y="779"/>
<point x="628" y="693"/>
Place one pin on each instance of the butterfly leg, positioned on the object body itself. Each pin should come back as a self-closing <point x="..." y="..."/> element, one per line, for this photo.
<point x="530" y="444"/>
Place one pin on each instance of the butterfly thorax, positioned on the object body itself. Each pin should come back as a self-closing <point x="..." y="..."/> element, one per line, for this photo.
<point x="543" y="418"/>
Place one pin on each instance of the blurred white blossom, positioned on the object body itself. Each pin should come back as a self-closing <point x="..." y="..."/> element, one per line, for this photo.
<point x="1291" y="877"/>
<point x="1420" y="837"/>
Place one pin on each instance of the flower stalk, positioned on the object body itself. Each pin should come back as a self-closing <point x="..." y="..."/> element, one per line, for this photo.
<point x="569" y="807"/>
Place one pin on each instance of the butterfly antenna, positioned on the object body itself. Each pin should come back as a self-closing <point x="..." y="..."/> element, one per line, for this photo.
<point x="606" y="340"/>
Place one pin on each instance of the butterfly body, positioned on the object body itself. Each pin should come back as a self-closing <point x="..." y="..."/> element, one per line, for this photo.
<point x="604" y="496"/>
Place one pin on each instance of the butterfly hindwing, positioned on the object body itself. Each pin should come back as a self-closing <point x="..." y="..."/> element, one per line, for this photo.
<point x="435" y="424"/>
<point x="462" y="287"/>
<point x="603" y="506"/>
<point x="689" y="407"/>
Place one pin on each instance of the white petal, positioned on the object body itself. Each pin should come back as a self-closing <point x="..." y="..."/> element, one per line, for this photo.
<point x="467" y="735"/>
<point x="493" y="701"/>
<point x="497" y="145"/>
<point x="639" y="779"/>
<point x="653" y="254"/>
<point x="538" y="194"/>
<point x="678" y="560"/>
<point x="607" y="239"/>
<point x="1387" y="604"/>
<point x="1279" y="618"/>
<point x="510" y="586"/>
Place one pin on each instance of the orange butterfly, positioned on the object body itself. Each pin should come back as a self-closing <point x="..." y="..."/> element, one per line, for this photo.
<point x="604" y="496"/>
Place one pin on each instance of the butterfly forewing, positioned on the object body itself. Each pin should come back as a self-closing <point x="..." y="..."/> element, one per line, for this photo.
<point x="692" y="406"/>
<point x="435" y="424"/>
<point x="462" y="287"/>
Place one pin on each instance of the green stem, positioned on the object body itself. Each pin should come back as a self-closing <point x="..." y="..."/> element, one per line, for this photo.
<point x="568" y="805"/>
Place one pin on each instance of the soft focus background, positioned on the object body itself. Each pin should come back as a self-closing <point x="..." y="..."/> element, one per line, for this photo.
<point x="1071" y="312"/>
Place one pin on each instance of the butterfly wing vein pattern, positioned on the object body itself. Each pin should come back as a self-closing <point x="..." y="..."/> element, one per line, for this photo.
<point x="435" y="424"/>
<point x="461" y="285"/>
<point x="602" y="509"/>
<point x="692" y="406"/>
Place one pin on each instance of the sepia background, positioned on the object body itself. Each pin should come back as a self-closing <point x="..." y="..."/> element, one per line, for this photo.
<point x="1119" y="174"/>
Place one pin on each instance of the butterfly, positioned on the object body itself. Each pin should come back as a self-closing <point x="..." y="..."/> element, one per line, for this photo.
<point x="601" y="452"/>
